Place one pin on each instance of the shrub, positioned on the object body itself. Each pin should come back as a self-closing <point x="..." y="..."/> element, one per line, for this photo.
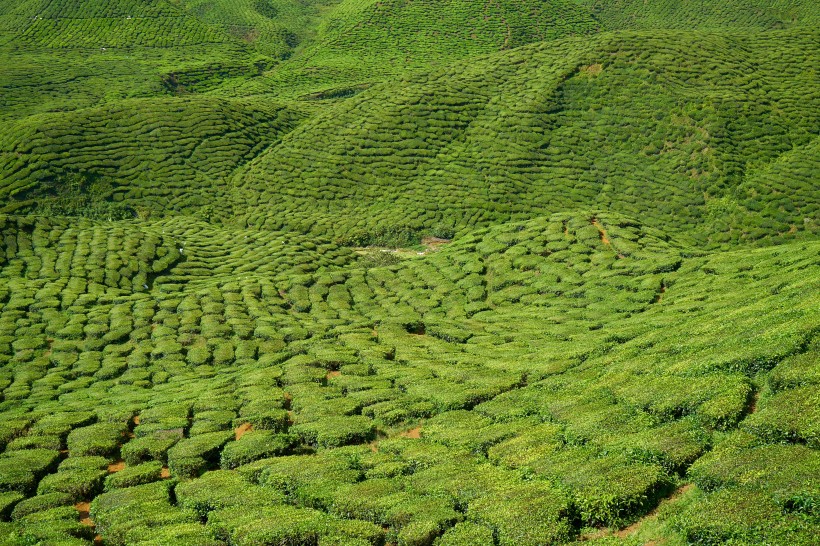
<point x="79" y="484"/>
<point x="466" y="534"/>
<point x="525" y="514"/>
<point x="221" y="489"/>
<point x="336" y="431"/>
<point x="9" y="502"/>
<point x="178" y="534"/>
<point x="60" y="424"/>
<point x="101" y="439"/>
<point x="20" y="470"/>
<point x="189" y="457"/>
<point x="40" y="503"/>
<point x="255" y="445"/>
<point x="263" y="415"/>
<point x="123" y="515"/>
<point x="134" y="475"/>
<point x="273" y="525"/>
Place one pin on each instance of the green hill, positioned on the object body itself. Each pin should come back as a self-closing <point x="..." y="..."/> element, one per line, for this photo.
<point x="151" y="155"/>
<point x="663" y="126"/>
<point x="409" y="273"/>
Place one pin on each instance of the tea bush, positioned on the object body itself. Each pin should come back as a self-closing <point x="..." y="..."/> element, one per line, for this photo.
<point x="588" y="297"/>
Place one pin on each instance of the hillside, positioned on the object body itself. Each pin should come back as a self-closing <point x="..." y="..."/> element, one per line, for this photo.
<point x="409" y="273"/>
<point x="663" y="127"/>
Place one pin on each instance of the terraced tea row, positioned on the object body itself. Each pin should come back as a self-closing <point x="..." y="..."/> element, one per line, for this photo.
<point x="138" y="157"/>
<point x="522" y="351"/>
<point x="551" y="126"/>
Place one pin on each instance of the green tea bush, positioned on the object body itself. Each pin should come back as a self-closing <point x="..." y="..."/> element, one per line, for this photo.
<point x="531" y="513"/>
<point x="79" y="483"/>
<point x="134" y="475"/>
<point x="21" y="470"/>
<point x="310" y="481"/>
<point x="148" y="448"/>
<point x="466" y="534"/>
<point x="9" y="501"/>
<point x="57" y="526"/>
<point x="788" y="416"/>
<point x="221" y="489"/>
<point x="336" y="431"/>
<point x="191" y="456"/>
<point x="40" y="503"/>
<point x="100" y="439"/>
<point x="255" y="445"/>
<point x="123" y="515"/>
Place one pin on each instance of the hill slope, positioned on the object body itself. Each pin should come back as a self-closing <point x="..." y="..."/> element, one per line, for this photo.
<point x="579" y="361"/>
<point x="663" y="126"/>
<point x="428" y="273"/>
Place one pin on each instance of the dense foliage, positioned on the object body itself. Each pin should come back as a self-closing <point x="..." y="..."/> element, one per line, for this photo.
<point x="347" y="272"/>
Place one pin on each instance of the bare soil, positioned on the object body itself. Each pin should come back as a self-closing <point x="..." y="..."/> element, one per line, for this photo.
<point x="601" y="232"/>
<point x="83" y="511"/>
<point x="242" y="429"/>
<point x="632" y="529"/>
<point x="635" y="527"/>
<point x="414" y="433"/>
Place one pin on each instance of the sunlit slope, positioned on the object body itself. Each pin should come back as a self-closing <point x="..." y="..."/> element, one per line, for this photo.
<point x="555" y="376"/>
<point x="60" y="55"/>
<point x="695" y="14"/>
<point x="155" y="155"/>
<point x="273" y="27"/>
<point x="61" y="24"/>
<point x="361" y="41"/>
<point x="664" y="126"/>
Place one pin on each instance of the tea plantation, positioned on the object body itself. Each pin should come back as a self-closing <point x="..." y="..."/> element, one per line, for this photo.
<point x="428" y="273"/>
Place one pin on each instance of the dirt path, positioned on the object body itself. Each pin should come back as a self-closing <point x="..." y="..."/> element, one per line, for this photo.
<point x="601" y="232"/>
<point x="83" y="509"/>
<point x="635" y="527"/>
<point x="242" y="429"/>
<point x="414" y="433"/>
<point x="116" y="466"/>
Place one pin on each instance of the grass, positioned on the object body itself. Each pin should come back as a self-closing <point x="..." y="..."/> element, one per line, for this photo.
<point x="345" y="272"/>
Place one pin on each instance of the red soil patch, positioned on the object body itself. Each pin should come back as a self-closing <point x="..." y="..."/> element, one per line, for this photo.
<point x="434" y="243"/>
<point x="116" y="466"/>
<point x="242" y="429"/>
<point x="165" y="473"/>
<point x="136" y="420"/>
<point x="98" y="540"/>
<point x="414" y="433"/>
<point x="83" y="511"/>
<point x="333" y="373"/>
<point x="601" y="231"/>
